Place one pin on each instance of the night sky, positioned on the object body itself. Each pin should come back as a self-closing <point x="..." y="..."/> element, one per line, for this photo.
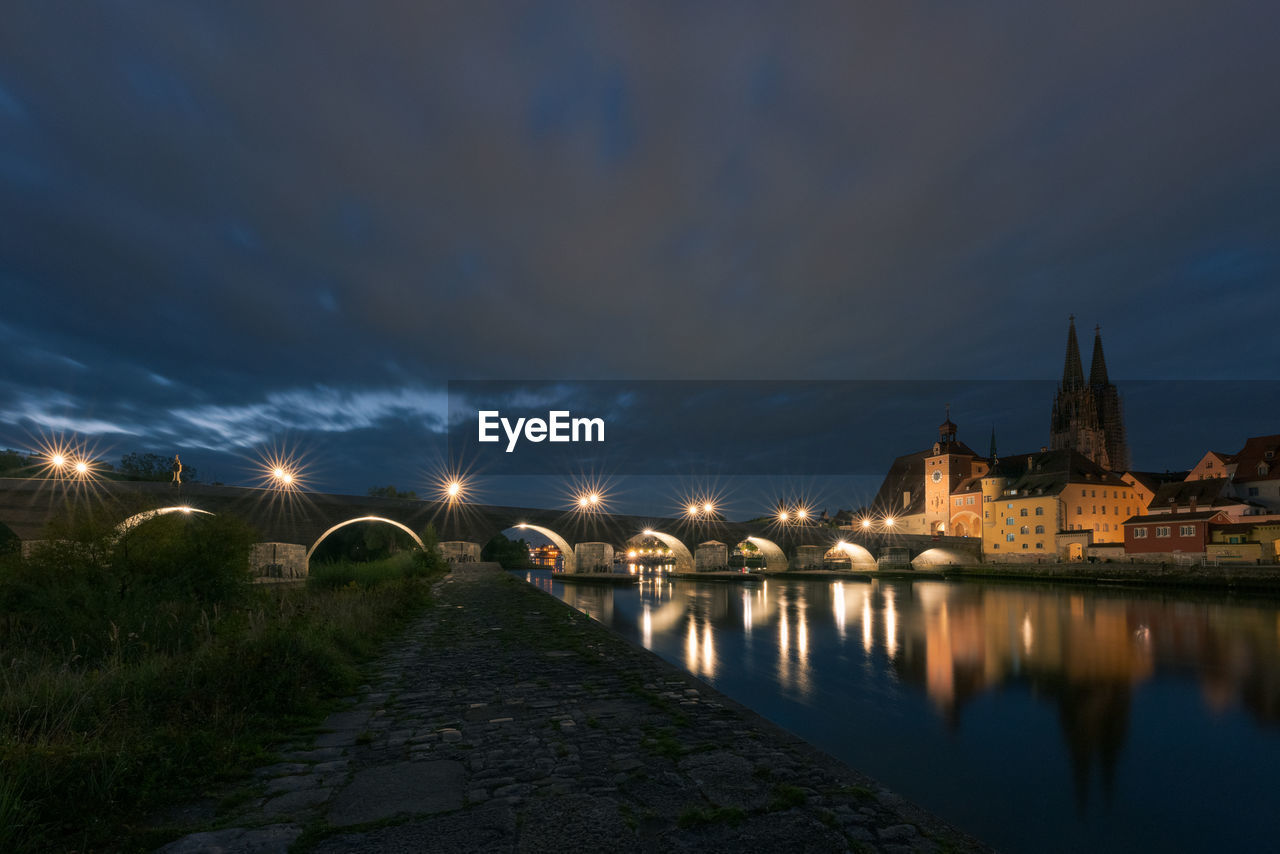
<point x="226" y="227"/>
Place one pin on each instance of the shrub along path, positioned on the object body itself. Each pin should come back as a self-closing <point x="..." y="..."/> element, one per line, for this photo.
<point x="507" y="721"/>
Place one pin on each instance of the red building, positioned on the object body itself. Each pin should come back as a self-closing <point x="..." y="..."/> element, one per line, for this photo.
<point x="1154" y="536"/>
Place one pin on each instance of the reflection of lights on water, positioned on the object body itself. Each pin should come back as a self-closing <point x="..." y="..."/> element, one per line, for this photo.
<point x="1143" y="635"/>
<point x="746" y="613"/>
<point x="837" y="605"/>
<point x="708" y="652"/>
<point x="802" y="636"/>
<point x="784" y="630"/>
<point x="866" y="623"/>
<point x="1028" y="634"/>
<point x="691" y="648"/>
<point x="646" y="627"/>
<point x="890" y="623"/>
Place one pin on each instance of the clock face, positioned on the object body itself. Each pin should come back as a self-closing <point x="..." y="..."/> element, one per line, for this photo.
<point x="937" y="476"/>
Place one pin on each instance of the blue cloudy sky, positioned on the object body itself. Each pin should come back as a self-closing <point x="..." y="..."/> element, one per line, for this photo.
<point x="234" y="225"/>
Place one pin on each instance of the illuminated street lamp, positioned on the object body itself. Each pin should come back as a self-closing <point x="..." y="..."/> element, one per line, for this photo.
<point x="866" y="523"/>
<point x="888" y="521"/>
<point x="802" y="514"/>
<point x="692" y="510"/>
<point x="784" y="516"/>
<point x="58" y="461"/>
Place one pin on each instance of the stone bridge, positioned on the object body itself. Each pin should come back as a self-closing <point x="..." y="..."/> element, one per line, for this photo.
<point x="292" y="524"/>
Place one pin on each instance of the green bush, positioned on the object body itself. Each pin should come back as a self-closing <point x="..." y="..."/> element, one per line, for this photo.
<point x="139" y="668"/>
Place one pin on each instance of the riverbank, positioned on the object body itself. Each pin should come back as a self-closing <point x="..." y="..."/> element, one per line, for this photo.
<point x="506" y="720"/>
<point x="1240" y="578"/>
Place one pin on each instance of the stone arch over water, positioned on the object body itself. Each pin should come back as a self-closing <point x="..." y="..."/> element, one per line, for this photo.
<point x="775" y="560"/>
<point x="566" y="550"/>
<point x="680" y="553"/>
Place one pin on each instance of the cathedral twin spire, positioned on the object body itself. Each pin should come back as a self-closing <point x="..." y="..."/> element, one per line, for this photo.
<point x="1088" y="418"/>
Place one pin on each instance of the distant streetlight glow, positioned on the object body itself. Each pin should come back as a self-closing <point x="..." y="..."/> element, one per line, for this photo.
<point x="693" y="509"/>
<point x="888" y="521"/>
<point x="866" y="523"/>
<point x="708" y="508"/>
<point x="802" y="514"/>
<point x="281" y="473"/>
<point x="783" y="516"/>
<point x="58" y="461"/>
<point x="82" y="468"/>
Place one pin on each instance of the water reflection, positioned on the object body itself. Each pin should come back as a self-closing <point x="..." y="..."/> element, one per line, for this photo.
<point x="1059" y="675"/>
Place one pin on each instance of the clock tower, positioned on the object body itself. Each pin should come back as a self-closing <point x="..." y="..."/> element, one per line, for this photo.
<point x="946" y="468"/>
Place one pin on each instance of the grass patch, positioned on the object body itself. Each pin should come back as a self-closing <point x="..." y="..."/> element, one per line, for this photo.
<point x="367" y="574"/>
<point x="786" y="796"/>
<point x="663" y="743"/>
<point x="141" y="670"/>
<point x="701" y="816"/>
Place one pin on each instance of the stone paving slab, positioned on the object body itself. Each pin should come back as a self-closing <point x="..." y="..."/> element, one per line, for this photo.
<point x="386" y="790"/>
<point x="505" y="721"/>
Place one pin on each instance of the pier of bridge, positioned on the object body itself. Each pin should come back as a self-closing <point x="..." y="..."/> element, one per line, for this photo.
<point x="291" y="525"/>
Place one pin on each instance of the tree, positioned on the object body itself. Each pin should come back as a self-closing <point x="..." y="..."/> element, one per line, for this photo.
<point x="511" y="554"/>
<point x="16" y="464"/>
<point x="391" y="492"/>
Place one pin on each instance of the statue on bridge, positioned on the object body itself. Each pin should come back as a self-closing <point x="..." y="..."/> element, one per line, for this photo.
<point x="176" y="468"/>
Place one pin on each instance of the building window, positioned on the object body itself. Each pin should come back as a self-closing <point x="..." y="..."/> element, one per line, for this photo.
<point x="986" y="514"/>
<point x="1024" y="530"/>
<point x="1024" y="545"/>
<point x="1162" y="531"/>
<point x="1186" y="530"/>
<point x="1008" y="520"/>
<point x="1009" y="537"/>
<point x="1104" y="509"/>
<point x="1106" y="526"/>
<point x="1104" y="493"/>
<point x="1253" y="491"/>
<point x="1039" y="529"/>
<point x="1139" y="533"/>
<point x="1023" y="512"/>
<point x="1039" y="511"/>
<point x="958" y="502"/>
<point x="968" y="499"/>
<point x="1079" y="509"/>
<point x="1039" y="545"/>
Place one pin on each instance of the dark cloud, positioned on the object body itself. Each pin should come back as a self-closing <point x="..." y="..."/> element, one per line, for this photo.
<point x="225" y="218"/>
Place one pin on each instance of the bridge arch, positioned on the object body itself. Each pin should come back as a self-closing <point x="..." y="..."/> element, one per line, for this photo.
<point x="775" y="560"/>
<point x="341" y="525"/>
<point x="679" y="551"/>
<point x="860" y="557"/>
<point x="147" y="515"/>
<point x="939" y="557"/>
<point x="566" y="550"/>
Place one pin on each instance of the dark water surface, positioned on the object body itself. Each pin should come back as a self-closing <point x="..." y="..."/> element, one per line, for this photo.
<point x="1036" y="717"/>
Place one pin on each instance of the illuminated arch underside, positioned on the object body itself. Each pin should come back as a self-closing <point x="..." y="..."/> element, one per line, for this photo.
<point x="147" y="515"/>
<point x="570" y="559"/>
<point x="679" y="551"/>
<point x="774" y="558"/>
<point x="404" y="528"/>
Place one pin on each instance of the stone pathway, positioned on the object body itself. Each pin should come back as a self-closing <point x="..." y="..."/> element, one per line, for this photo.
<point x="505" y="721"/>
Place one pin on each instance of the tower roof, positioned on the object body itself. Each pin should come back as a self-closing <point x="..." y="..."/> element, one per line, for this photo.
<point x="1098" y="368"/>
<point x="1072" y="372"/>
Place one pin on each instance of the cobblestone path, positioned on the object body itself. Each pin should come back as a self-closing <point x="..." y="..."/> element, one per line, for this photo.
<point x="505" y="721"/>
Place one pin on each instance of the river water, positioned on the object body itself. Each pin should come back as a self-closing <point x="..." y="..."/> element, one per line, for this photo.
<point x="1035" y="717"/>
